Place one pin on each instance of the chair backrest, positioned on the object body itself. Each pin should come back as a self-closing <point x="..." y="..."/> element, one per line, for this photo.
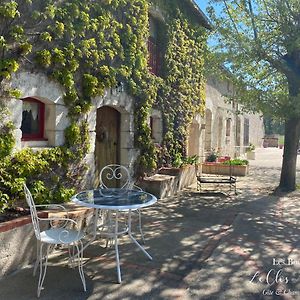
<point x="33" y="212"/>
<point x="112" y="176"/>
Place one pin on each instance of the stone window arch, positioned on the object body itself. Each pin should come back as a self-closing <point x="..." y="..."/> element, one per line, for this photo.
<point x="33" y="119"/>
<point x="40" y="89"/>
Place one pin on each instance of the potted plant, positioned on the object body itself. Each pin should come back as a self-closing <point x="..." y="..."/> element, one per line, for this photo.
<point x="183" y="168"/>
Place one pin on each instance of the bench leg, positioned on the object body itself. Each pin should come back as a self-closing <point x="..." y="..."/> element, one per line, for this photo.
<point x="198" y="186"/>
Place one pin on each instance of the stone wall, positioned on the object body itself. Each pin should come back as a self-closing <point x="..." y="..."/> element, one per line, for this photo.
<point x="40" y="87"/>
<point x="18" y="244"/>
<point x="224" y="129"/>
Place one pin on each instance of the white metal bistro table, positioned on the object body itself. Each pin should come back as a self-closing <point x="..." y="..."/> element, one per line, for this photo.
<point x="117" y="200"/>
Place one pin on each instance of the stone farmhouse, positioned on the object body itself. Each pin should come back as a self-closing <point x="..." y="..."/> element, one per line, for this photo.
<point x="41" y="118"/>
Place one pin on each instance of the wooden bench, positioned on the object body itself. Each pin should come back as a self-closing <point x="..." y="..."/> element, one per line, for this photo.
<point x="216" y="179"/>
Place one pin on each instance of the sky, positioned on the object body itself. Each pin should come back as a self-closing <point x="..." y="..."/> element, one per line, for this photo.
<point x="202" y="4"/>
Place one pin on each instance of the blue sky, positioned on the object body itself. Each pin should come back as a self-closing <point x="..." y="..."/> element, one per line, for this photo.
<point x="202" y="4"/>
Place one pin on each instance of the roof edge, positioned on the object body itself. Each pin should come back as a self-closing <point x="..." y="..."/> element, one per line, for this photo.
<point x="203" y="18"/>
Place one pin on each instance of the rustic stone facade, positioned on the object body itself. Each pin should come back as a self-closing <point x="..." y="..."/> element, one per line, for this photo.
<point x="220" y="129"/>
<point x="226" y="131"/>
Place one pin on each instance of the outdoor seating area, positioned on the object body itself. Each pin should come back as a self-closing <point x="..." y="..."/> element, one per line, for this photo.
<point x="148" y="150"/>
<point x="113" y="202"/>
<point x="194" y="239"/>
<point x="218" y="177"/>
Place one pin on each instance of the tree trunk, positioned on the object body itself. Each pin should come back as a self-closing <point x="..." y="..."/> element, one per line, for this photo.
<point x="291" y="141"/>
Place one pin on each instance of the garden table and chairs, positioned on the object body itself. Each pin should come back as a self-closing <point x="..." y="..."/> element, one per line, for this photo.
<point x="109" y="204"/>
<point x="112" y="202"/>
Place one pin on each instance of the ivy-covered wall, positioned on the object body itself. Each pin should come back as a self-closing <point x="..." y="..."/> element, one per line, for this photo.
<point x="87" y="47"/>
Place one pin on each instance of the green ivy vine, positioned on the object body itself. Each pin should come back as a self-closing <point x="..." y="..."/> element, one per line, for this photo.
<point x="183" y="94"/>
<point x="88" y="46"/>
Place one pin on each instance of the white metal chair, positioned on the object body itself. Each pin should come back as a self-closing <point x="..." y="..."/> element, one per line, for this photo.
<point x="115" y="175"/>
<point x="58" y="234"/>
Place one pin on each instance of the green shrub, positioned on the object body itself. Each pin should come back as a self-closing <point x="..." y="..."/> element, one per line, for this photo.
<point x="212" y="157"/>
<point x="7" y="140"/>
<point x="251" y="147"/>
<point x="236" y="162"/>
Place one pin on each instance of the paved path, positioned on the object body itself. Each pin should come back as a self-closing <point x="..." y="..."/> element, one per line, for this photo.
<point x="205" y="246"/>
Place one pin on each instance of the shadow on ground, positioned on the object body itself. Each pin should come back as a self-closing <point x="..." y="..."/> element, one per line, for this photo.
<point x="204" y="246"/>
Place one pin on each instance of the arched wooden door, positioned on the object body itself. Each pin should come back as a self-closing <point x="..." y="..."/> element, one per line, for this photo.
<point x="107" y="150"/>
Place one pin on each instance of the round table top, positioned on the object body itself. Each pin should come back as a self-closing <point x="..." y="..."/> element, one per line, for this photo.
<point x="114" y="198"/>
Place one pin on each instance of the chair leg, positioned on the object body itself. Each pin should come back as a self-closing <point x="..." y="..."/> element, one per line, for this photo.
<point x="71" y="251"/>
<point x="42" y="272"/>
<point x="117" y="249"/>
<point x="80" y="263"/>
<point x="37" y="257"/>
<point x="140" y="225"/>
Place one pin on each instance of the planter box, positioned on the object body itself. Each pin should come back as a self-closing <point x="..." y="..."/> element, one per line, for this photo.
<point x="186" y="175"/>
<point x="219" y="169"/>
<point x="18" y="244"/>
<point x="160" y="185"/>
<point x="251" y="155"/>
<point x="18" y="241"/>
<point x="169" y="181"/>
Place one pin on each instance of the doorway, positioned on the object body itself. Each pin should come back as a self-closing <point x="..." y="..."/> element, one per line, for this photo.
<point x="107" y="148"/>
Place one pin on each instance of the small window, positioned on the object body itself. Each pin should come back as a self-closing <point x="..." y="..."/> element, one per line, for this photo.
<point x="153" y="47"/>
<point x="33" y="119"/>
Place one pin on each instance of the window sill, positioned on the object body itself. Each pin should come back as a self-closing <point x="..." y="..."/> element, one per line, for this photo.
<point x="29" y="139"/>
<point x="38" y="143"/>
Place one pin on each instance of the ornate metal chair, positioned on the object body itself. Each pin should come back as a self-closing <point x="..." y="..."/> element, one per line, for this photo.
<point x="57" y="234"/>
<point x="118" y="176"/>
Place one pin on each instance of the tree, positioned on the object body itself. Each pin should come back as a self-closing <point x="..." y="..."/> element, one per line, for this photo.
<point x="259" y="42"/>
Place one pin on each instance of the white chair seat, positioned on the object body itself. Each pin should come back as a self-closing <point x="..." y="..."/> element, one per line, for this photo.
<point x="58" y="233"/>
<point x="60" y="236"/>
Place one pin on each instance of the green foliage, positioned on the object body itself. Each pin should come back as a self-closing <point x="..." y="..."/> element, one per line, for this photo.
<point x="189" y="160"/>
<point x="273" y="126"/>
<point x="77" y="138"/>
<point x="7" y="140"/>
<point x="182" y="96"/>
<point x="212" y="157"/>
<point x="236" y="162"/>
<point x="88" y="46"/>
<point x="177" y="160"/>
<point x="43" y="57"/>
<point x="52" y="175"/>
<point x="8" y="66"/>
<point x="251" y="147"/>
<point x="259" y="43"/>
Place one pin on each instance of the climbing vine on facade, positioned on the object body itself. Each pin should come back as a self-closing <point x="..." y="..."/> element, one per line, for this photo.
<point x="183" y="94"/>
<point x="88" y="46"/>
